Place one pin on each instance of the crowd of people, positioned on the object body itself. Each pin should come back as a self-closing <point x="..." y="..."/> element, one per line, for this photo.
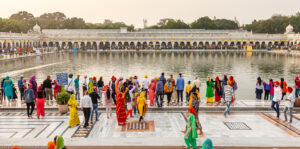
<point x="279" y="91"/>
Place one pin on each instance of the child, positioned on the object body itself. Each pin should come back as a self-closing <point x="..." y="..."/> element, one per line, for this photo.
<point x="289" y="104"/>
<point x="267" y="90"/>
<point x="187" y="91"/>
<point x="14" y="93"/>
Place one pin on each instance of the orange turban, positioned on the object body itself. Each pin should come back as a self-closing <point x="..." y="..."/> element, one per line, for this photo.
<point x="50" y="145"/>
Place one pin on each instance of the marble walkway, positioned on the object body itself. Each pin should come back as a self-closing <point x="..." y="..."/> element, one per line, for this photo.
<point x="238" y="130"/>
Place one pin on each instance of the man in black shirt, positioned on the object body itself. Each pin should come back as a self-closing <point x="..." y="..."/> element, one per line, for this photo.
<point x="47" y="84"/>
<point x="94" y="96"/>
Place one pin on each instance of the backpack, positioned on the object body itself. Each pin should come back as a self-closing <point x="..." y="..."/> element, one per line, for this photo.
<point x="127" y="96"/>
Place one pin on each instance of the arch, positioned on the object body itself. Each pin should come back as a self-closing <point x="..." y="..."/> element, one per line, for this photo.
<point x="145" y="45"/>
<point x="82" y="45"/>
<point x="163" y="45"/>
<point x="139" y="45"/>
<point x="194" y="45"/>
<point x="151" y="45"/>
<point x="94" y="45"/>
<point x="64" y="45"/>
<point x="126" y="45"/>
<point x="206" y="45"/>
<point x="257" y="45"/>
<point x="70" y="45"/>
<point x="263" y="45"/>
<point x="182" y="45"/>
<point x="131" y="45"/>
<point x="200" y="45"/>
<point x="176" y="45"/>
<point x="45" y="44"/>
<point x="101" y="45"/>
<point x="88" y="45"/>
<point x="239" y="45"/>
<point x="56" y="44"/>
<point x="213" y="45"/>
<point x="120" y="45"/>
<point x="107" y="45"/>
<point x="188" y="45"/>
<point x="76" y="45"/>
<point x="113" y="45"/>
<point x="51" y="44"/>
<point x="157" y="45"/>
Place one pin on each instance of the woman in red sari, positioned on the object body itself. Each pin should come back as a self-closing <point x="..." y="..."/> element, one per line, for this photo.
<point x="218" y="92"/>
<point x="120" y="110"/>
<point x="57" y="88"/>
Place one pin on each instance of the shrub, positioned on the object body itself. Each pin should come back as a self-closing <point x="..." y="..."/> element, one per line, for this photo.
<point x="62" y="98"/>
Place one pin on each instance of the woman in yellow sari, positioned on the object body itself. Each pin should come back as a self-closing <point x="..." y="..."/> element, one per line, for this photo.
<point x="142" y="103"/>
<point x="74" y="119"/>
<point x="90" y="85"/>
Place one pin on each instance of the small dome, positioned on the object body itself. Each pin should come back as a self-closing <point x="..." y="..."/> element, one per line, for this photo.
<point x="289" y="29"/>
<point x="37" y="28"/>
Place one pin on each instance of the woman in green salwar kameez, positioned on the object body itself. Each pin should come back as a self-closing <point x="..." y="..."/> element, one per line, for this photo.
<point x="191" y="131"/>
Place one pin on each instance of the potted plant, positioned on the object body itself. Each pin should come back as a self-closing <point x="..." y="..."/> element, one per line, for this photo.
<point x="62" y="99"/>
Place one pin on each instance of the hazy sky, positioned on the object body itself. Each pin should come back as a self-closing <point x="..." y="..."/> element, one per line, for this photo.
<point x="133" y="11"/>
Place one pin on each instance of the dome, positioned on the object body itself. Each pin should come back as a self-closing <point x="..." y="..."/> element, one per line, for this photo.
<point x="36" y="28"/>
<point x="289" y="29"/>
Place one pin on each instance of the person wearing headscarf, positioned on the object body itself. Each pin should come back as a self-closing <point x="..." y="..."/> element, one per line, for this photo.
<point x="267" y="90"/>
<point x="74" y="119"/>
<point x="194" y="90"/>
<point x="77" y="92"/>
<point x="16" y="147"/>
<point x="233" y="84"/>
<point x="289" y="104"/>
<point x="259" y="88"/>
<point x="60" y="140"/>
<point x="118" y="85"/>
<point x="120" y="110"/>
<point x="168" y="89"/>
<point x="108" y="101"/>
<point x="151" y="95"/>
<point x="40" y="102"/>
<point x="207" y="144"/>
<point x="90" y="85"/>
<point x="34" y="85"/>
<point x="56" y="89"/>
<point x="297" y="86"/>
<point x="70" y="87"/>
<point x="113" y="88"/>
<point x="271" y="83"/>
<point x="209" y="90"/>
<point x="218" y="90"/>
<point x="187" y="91"/>
<point x="228" y="91"/>
<point x="191" y="131"/>
<point x="8" y="88"/>
<point x="277" y="98"/>
<point x="283" y="86"/>
<point x="142" y="105"/>
<point x="145" y="85"/>
<point x="100" y="85"/>
<point x="224" y="82"/>
<point x="51" y="145"/>
<point x="129" y="96"/>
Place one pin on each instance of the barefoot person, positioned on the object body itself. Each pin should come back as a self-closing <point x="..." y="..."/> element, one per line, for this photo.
<point x="29" y="99"/>
<point x="142" y="105"/>
<point x="74" y="119"/>
<point x="229" y="94"/>
<point x="277" y="98"/>
<point x="40" y="102"/>
<point x="191" y="132"/>
<point x="289" y="104"/>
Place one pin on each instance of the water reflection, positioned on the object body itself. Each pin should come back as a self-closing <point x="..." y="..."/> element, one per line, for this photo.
<point x="244" y="66"/>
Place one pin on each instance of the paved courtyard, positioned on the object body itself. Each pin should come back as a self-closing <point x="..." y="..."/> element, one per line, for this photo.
<point x="162" y="129"/>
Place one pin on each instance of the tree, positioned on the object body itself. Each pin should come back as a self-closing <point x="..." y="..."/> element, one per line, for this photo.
<point x="225" y="24"/>
<point x="22" y="15"/>
<point x="203" y="23"/>
<point x="170" y="24"/>
<point x="74" y="23"/>
<point x="46" y="20"/>
<point x="24" y="20"/>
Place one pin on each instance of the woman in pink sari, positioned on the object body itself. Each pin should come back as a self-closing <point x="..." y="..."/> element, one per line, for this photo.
<point x="151" y="95"/>
<point x="57" y="88"/>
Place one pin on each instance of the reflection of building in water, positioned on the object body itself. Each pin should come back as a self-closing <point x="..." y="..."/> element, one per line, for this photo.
<point x="149" y="39"/>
